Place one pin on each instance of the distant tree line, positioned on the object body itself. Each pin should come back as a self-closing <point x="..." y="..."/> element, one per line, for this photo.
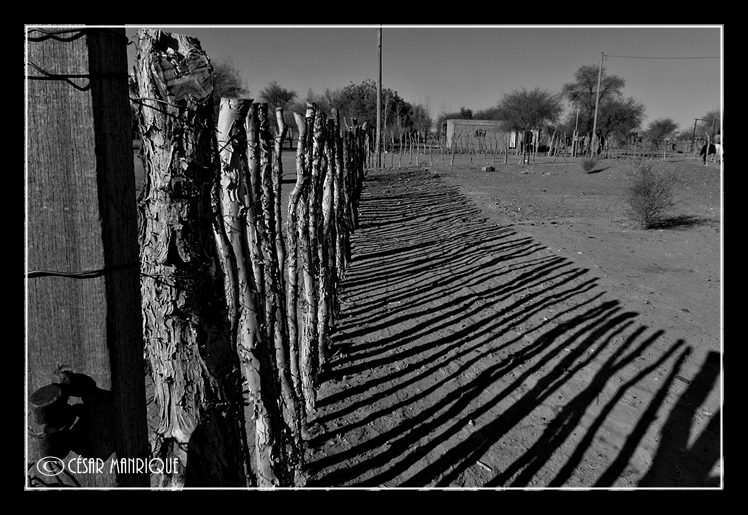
<point x="619" y="118"/>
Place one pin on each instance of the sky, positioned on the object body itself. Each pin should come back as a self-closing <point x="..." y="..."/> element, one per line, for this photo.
<point x="676" y="71"/>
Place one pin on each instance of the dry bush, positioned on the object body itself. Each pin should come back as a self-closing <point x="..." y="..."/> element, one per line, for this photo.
<point x="589" y="164"/>
<point x="649" y="195"/>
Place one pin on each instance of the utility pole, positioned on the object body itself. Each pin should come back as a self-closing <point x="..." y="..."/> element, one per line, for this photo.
<point x="576" y="136"/>
<point x="597" y="100"/>
<point x="693" y="135"/>
<point x="83" y="306"/>
<point x="379" y="99"/>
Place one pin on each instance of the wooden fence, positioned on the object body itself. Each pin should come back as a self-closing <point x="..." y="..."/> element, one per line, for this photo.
<point x="486" y="149"/>
<point x="238" y="306"/>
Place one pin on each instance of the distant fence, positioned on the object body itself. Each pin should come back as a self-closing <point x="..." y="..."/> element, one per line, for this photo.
<point x="489" y="146"/>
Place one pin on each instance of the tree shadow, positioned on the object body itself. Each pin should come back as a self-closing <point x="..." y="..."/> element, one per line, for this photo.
<point x="680" y="222"/>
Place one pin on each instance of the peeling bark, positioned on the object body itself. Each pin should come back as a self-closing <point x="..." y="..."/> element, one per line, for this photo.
<point x="275" y="317"/>
<point x="238" y="210"/>
<point x="280" y="246"/>
<point x="307" y="230"/>
<point x="195" y="373"/>
<point x="341" y="230"/>
<point x="251" y="192"/>
<point x="326" y="248"/>
<point x="296" y="198"/>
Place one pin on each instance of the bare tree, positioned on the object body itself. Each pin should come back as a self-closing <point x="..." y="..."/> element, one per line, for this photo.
<point x="661" y="130"/>
<point x="278" y="97"/>
<point x="582" y="92"/>
<point x="227" y="82"/>
<point x="527" y="110"/>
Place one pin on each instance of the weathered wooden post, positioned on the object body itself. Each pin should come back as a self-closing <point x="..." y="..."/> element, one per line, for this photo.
<point x="293" y="235"/>
<point x="326" y="251"/>
<point x="339" y="199"/>
<point x="307" y="231"/>
<point x="83" y="297"/>
<point x="251" y="192"/>
<point x="454" y="147"/>
<point x="280" y="245"/>
<point x="273" y="428"/>
<point x="194" y="369"/>
<point x="247" y="336"/>
<point x="275" y="313"/>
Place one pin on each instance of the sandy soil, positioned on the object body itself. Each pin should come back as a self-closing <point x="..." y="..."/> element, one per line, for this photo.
<point x="514" y="328"/>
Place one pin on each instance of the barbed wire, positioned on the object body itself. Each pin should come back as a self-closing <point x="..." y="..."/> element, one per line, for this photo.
<point x="77" y="33"/>
<point x="66" y="77"/>
<point x="88" y="274"/>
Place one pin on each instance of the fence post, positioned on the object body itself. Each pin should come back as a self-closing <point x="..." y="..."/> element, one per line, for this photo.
<point x="83" y="297"/>
<point x="327" y="244"/>
<point x="293" y="234"/>
<point x="308" y="252"/>
<point x="341" y="228"/>
<point x="194" y="368"/>
<point x="277" y="372"/>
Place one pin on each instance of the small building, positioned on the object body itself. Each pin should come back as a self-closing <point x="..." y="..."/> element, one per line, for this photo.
<point x="471" y="131"/>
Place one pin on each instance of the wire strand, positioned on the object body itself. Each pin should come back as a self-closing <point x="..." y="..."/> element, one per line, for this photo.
<point x="88" y="274"/>
<point x="646" y="57"/>
<point x="77" y="33"/>
<point x="66" y="77"/>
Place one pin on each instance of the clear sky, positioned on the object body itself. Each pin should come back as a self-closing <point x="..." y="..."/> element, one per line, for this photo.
<point x="674" y="70"/>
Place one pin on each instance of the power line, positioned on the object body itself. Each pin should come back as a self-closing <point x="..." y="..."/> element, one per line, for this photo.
<point x="644" y="57"/>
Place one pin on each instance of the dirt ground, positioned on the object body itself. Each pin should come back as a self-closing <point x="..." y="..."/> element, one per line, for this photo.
<point x="515" y="329"/>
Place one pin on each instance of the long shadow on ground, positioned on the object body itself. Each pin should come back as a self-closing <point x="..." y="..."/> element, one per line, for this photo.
<point x="467" y="355"/>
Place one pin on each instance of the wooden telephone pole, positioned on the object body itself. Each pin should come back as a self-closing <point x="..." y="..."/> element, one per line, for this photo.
<point x="84" y="325"/>
<point x="593" y="141"/>
<point x="379" y="99"/>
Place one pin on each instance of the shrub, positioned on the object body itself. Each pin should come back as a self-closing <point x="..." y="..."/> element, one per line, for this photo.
<point x="589" y="164"/>
<point x="649" y="195"/>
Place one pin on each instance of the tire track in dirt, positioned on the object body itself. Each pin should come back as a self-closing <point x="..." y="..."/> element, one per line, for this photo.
<point x="469" y="355"/>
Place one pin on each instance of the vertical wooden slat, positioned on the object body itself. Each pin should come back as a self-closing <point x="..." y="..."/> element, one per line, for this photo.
<point x="278" y="375"/>
<point x="293" y="234"/>
<point x="308" y="237"/>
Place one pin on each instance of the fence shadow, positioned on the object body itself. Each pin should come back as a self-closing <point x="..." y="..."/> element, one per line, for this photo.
<point x="457" y="333"/>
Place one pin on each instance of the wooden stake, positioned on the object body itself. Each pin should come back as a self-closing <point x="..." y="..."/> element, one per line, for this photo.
<point x="308" y="250"/>
<point x="195" y="372"/>
<point x="326" y="249"/>
<point x="251" y="340"/>
<point x="293" y="223"/>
